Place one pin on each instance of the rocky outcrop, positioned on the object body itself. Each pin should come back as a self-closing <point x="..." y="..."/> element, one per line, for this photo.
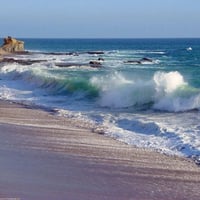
<point x="95" y="52"/>
<point x="95" y="64"/>
<point x="141" y="61"/>
<point x="2" y="52"/>
<point x="11" y="45"/>
<point x="19" y="61"/>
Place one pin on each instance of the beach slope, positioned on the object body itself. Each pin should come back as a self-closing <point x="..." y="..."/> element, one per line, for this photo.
<point x="43" y="156"/>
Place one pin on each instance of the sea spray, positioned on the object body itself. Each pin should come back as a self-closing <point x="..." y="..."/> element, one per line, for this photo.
<point x="117" y="91"/>
<point x="174" y="94"/>
<point x="167" y="83"/>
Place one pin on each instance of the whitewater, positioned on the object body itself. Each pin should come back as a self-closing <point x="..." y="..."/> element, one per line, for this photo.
<point x="145" y="92"/>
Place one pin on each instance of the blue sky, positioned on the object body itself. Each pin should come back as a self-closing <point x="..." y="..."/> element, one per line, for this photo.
<point x="100" y="18"/>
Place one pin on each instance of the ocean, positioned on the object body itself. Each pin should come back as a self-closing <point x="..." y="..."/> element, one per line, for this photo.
<point x="143" y="92"/>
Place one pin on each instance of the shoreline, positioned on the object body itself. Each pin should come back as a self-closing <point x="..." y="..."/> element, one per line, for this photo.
<point x="44" y="156"/>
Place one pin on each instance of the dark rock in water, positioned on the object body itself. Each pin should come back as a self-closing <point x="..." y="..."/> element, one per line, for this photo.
<point x="95" y="64"/>
<point x="68" y="64"/>
<point x="146" y="59"/>
<point x="141" y="61"/>
<point x="100" y="59"/>
<point x="132" y="62"/>
<point x="95" y="52"/>
<point x="22" y="62"/>
<point x="61" y="53"/>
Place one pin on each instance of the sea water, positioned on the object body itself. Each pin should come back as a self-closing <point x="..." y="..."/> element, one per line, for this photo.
<point x="153" y="103"/>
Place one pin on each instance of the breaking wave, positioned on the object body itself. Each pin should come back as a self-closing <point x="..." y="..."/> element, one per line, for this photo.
<point x="165" y="91"/>
<point x="53" y="83"/>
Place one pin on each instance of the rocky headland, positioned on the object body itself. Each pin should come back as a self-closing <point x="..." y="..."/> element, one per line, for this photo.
<point x="11" y="45"/>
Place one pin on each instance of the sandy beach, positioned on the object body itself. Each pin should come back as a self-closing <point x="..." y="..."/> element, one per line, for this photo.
<point x="43" y="156"/>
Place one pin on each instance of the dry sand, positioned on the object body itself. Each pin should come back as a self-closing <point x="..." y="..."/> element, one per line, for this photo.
<point x="43" y="156"/>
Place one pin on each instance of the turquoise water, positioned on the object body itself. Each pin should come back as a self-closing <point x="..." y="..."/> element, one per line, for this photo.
<point x="152" y="103"/>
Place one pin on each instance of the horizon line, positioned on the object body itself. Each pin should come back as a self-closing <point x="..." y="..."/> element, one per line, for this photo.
<point x="104" y="37"/>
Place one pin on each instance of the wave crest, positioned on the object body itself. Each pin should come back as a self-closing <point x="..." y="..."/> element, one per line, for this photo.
<point x="54" y="83"/>
<point x="166" y="91"/>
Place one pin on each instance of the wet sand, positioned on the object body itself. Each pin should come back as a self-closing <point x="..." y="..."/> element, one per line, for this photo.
<point x="43" y="156"/>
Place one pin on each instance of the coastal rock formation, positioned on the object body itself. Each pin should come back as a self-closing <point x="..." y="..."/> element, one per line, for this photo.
<point x="95" y="52"/>
<point x="19" y="61"/>
<point x="95" y="64"/>
<point x="68" y="64"/>
<point x="11" y="45"/>
<point x="141" y="61"/>
<point x="2" y="52"/>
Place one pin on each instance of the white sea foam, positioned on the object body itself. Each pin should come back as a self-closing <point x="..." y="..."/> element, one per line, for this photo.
<point x="148" y="52"/>
<point x="154" y="130"/>
<point x="5" y="93"/>
<point x="118" y="91"/>
<point x="157" y="131"/>
<point x="189" y="49"/>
